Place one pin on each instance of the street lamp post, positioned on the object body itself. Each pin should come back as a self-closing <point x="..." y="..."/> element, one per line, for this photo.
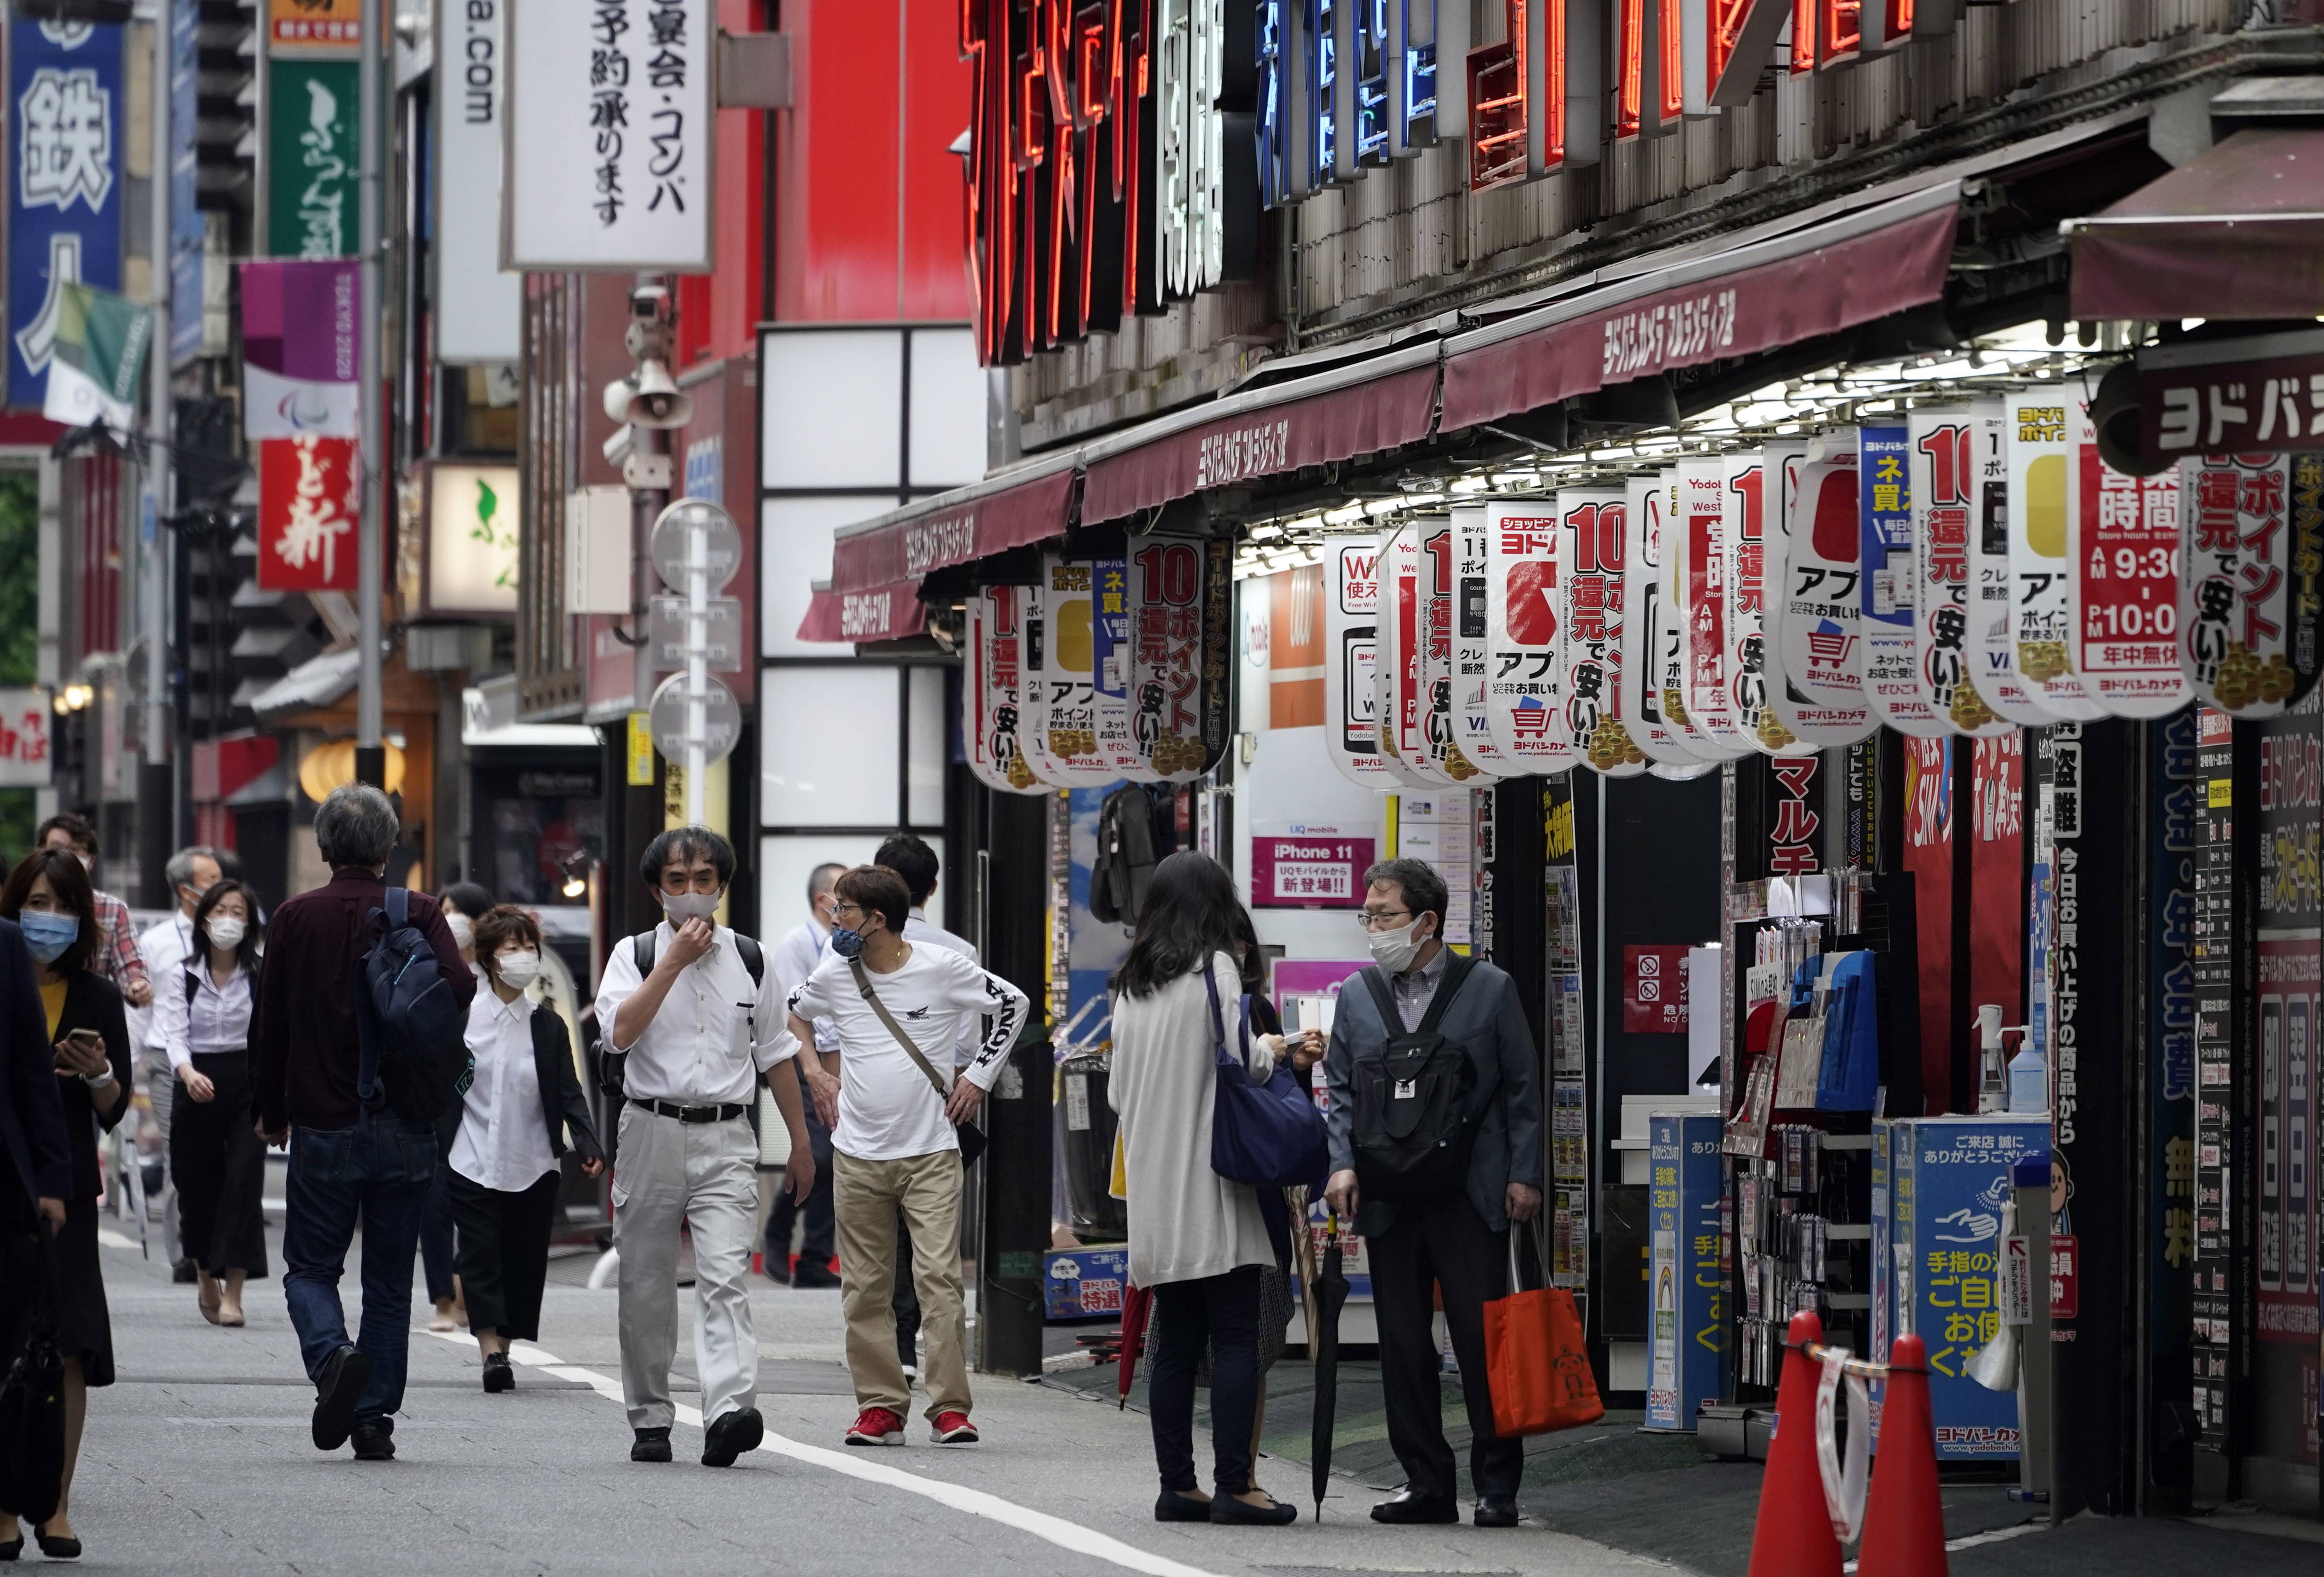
<point x="370" y="756"/>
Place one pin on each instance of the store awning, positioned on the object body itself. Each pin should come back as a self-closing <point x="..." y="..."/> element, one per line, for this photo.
<point x="881" y="613"/>
<point x="317" y="682"/>
<point x="1008" y="511"/>
<point x="1793" y="286"/>
<point x="1354" y="409"/>
<point x="2237" y="232"/>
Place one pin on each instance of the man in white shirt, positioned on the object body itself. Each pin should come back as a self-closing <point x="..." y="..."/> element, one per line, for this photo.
<point x="893" y="1144"/>
<point x="165" y="946"/>
<point x="696" y="1018"/>
<point x="794" y="958"/>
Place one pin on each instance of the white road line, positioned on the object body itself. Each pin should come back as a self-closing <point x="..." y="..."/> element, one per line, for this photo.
<point x="1057" y="1530"/>
<point x="1992" y="1535"/>
<point x="113" y="1239"/>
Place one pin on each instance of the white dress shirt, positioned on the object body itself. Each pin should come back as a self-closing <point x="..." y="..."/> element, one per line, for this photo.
<point x="504" y="1139"/>
<point x="216" y="1020"/>
<point x="164" y="947"/>
<point x="714" y="1034"/>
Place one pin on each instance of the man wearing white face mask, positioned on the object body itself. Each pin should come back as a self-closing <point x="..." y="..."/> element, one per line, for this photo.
<point x="693" y="1018"/>
<point x="191" y="871"/>
<point x="1435" y="1139"/>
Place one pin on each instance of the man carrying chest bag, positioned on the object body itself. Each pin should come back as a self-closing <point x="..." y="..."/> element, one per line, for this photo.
<point x="1436" y="1147"/>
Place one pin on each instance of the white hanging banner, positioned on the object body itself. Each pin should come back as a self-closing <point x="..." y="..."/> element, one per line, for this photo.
<point x="2122" y="538"/>
<point x="1593" y="523"/>
<point x="1440" y="747"/>
<point x="479" y="311"/>
<point x="1166" y="697"/>
<point x="1891" y="681"/>
<point x="1117" y="739"/>
<point x="1679" y="679"/>
<point x="1522" y="630"/>
<point x="1352" y="585"/>
<point x="2043" y="617"/>
<point x="1653" y="649"/>
<point x="2234" y="596"/>
<point x="1063" y="742"/>
<point x="1472" y="728"/>
<point x="1703" y="594"/>
<point x="991" y="682"/>
<point x="1756" y="486"/>
<point x="1397" y="680"/>
<point x="1814" y="647"/>
<point x="1947" y="506"/>
<point x="1992" y="643"/>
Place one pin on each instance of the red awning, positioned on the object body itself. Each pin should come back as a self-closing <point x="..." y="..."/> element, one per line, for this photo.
<point x="1791" y="287"/>
<point x="1004" y="512"/>
<point x="1356" y="409"/>
<point x="2236" y="233"/>
<point x="881" y="612"/>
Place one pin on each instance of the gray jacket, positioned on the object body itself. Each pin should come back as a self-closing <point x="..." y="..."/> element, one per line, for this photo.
<point x="1487" y="1021"/>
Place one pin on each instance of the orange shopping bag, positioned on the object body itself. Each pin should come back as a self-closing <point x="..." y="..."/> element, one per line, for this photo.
<point x="1536" y="1366"/>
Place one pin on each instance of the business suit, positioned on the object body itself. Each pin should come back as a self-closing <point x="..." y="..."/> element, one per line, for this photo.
<point x="1459" y="1241"/>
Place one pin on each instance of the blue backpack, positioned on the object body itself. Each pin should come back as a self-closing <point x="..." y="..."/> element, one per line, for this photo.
<point x="415" y="1048"/>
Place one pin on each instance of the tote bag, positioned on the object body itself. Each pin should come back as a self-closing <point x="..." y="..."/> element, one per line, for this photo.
<point x="1269" y="1135"/>
<point x="1536" y="1365"/>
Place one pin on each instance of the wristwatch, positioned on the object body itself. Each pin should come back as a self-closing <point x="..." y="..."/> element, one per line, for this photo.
<point x="98" y="1080"/>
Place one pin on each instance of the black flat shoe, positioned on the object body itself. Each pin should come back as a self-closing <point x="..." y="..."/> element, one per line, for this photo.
<point x="651" y="1445"/>
<point x="1409" y="1508"/>
<point x="56" y="1549"/>
<point x="730" y="1434"/>
<point x="1228" y="1508"/>
<point x="1171" y="1506"/>
<point x="1497" y="1511"/>
<point x="373" y="1444"/>
<point x="498" y="1375"/>
<point x="12" y="1549"/>
<point x="346" y="1372"/>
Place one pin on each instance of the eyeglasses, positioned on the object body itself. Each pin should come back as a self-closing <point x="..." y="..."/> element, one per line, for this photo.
<point x="838" y="909"/>
<point x="1382" y="919"/>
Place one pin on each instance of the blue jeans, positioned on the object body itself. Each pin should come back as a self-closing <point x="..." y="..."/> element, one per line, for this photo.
<point x="377" y="1172"/>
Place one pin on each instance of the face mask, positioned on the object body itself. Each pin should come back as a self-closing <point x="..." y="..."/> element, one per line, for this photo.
<point x="464" y="931"/>
<point x="1394" y="951"/>
<point x="48" y="934"/>
<point x="517" y="970"/>
<point x="191" y="897"/>
<point x="227" y="933"/>
<point x="682" y="907"/>
<point x="847" y="944"/>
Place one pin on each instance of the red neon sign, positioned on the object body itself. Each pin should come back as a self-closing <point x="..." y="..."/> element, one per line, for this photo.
<point x="1517" y="97"/>
<point x="1650" y="67"/>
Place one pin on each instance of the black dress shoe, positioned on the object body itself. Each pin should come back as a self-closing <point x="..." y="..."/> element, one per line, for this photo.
<point x="12" y="1548"/>
<point x="57" y="1549"/>
<point x="373" y="1444"/>
<point x="730" y="1434"/>
<point x="1171" y="1506"/>
<point x="345" y="1374"/>
<point x="1497" y="1511"/>
<point x="498" y="1375"/>
<point x="1408" y="1506"/>
<point x="651" y="1445"/>
<point x="1225" y="1508"/>
<point x="813" y="1276"/>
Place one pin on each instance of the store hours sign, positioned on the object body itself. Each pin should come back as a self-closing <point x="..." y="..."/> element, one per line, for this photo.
<point x="609" y="136"/>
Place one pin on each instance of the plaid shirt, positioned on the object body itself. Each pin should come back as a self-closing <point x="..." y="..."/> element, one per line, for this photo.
<point x="117" y="961"/>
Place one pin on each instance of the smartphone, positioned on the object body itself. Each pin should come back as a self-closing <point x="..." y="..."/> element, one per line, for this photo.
<point x="83" y="1040"/>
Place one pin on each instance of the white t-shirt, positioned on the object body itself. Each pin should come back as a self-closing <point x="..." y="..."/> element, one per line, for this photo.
<point x="887" y="1109"/>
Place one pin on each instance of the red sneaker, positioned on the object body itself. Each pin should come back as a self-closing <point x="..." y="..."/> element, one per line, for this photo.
<point x="952" y="1428"/>
<point x="879" y="1426"/>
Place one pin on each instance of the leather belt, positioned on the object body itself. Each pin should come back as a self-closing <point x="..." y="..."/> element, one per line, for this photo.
<point x="694" y="1113"/>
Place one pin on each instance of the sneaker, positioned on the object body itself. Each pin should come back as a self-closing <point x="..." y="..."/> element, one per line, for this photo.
<point x="876" y="1426"/>
<point x="952" y="1428"/>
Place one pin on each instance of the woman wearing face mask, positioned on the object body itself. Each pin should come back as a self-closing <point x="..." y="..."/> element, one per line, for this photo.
<point x="49" y="896"/>
<point x="522" y="1107"/>
<point x="216" y="1159"/>
<point x="464" y="903"/>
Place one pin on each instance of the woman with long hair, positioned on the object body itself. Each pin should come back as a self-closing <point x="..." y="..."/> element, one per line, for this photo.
<point x="216" y="1159"/>
<point x="49" y="896"/>
<point x="1198" y="1240"/>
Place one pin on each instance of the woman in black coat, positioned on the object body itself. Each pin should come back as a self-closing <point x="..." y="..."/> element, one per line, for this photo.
<point x="50" y="899"/>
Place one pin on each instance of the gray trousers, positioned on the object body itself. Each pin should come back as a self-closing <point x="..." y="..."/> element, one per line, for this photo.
<point x="162" y="1090"/>
<point x="704" y="1174"/>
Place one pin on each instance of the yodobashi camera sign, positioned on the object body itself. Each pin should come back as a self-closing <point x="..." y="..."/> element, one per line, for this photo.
<point x="609" y="138"/>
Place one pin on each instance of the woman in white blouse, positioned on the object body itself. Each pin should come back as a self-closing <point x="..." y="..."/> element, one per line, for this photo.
<point x="524" y="1104"/>
<point x="216" y="1160"/>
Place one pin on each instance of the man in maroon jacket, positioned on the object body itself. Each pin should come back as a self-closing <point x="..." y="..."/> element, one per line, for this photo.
<point x="351" y="1157"/>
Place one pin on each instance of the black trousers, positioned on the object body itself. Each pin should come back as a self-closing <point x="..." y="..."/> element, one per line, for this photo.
<point x="219" y="1167"/>
<point x="1440" y="1243"/>
<point x="821" y="1238"/>
<point x="503" y="1252"/>
<point x="1220" y="1312"/>
<point x="436" y="1231"/>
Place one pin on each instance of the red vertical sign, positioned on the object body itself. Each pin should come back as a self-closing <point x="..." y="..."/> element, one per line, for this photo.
<point x="1996" y="876"/>
<point x="1928" y="857"/>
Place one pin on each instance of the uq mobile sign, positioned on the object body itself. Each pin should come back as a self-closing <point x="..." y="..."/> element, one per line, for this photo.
<point x="1122" y="151"/>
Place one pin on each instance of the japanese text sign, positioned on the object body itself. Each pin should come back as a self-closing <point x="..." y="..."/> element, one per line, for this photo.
<point x="314" y="157"/>
<point x="1654" y="990"/>
<point x="472" y="539"/>
<point x="1524" y="677"/>
<point x="2122" y="536"/>
<point x="24" y="719"/>
<point x="1325" y="870"/>
<point x="2235" y="594"/>
<point x="308" y="504"/>
<point x="65" y="135"/>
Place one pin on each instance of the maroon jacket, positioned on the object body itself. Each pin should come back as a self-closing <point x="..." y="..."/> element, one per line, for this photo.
<point x="307" y="1056"/>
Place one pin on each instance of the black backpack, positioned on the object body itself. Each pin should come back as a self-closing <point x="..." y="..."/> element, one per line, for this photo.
<point x="1125" y="856"/>
<point x="1412" y="1135"/>
<point x="415" y="1030"/>
<point x="643" y="946"/>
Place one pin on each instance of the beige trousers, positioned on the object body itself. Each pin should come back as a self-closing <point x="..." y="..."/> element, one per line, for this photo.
<point x="865" y="1197"/>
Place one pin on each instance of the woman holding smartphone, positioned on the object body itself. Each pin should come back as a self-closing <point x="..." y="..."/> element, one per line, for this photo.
<point x="216" y="1159"/>
<point x="50" y="898"/>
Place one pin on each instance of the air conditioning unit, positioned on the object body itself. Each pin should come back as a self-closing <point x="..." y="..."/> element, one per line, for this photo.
<point x="597" y="548"/>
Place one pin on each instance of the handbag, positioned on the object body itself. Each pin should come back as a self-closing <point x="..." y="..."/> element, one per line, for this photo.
<point x="1267" y="1134"/>
<point x="33" y="1405"/>
<point x="971" y="1137"/>
<point x="1536" y="1365"/>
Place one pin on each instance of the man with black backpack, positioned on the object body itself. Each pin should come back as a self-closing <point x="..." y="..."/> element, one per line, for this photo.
<point x="1435" y="1136"/>
<point x="357" y="1046"/>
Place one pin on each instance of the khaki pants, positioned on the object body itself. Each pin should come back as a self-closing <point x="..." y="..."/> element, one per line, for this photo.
<point x="865" y="1197"/>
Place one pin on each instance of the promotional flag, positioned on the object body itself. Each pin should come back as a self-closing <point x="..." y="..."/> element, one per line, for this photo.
<point x="1652" y="638"/>
<point x="1171" y="706"/>
<point x="1472" y="726"/>
<point x="1702" y="596"/>
<point x="1992" y="642"/>
<point x="1594" y="524"/>
<point x="1523" y="681"/>
<point x="991" y="701"/>
<point x="309" y="498"/>
<point x="2042" y="622"/>
<point x="1757" y="486"/>
<point x="1403" y="727"/>
<point x="2122" y="540"/>
<point x="1815" y="644"/>
<point x="97" y="362"/>
<point x="1352" y="653"/>
<point x="1061" y="698"/>
<point x="1885" y="520"/>
<point x="302" y="323"/>
<point x="1948" y="488"/>
<point x="2235" y="593"/>
<point x="1439" y="746"/>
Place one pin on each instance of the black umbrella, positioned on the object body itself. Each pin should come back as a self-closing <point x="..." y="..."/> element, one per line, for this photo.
<point x="1331" y="1295"/>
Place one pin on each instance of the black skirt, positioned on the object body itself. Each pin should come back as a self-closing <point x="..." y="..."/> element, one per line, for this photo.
<point x="84" y="1324"/>
<point x="218" y="1163"/>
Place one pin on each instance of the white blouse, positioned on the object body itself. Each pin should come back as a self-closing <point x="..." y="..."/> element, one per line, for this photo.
<point x="216" y="1020"/>
<point x="504" y="1139"/>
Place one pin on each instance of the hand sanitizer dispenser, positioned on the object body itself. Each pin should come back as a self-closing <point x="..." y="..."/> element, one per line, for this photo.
<point x="2029" y="1076"/>
<point x="1993" y="1080"/>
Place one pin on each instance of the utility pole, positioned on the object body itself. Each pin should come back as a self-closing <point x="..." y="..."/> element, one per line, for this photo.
<point x="156" y="795"/>
<point x="370" y="755"/>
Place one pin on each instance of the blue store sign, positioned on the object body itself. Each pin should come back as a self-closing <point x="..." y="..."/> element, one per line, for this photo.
<point x="65" y="131"/>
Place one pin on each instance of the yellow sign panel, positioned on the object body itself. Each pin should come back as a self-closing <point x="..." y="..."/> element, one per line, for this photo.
<point x="641" y="752"/>
<point x="2223" y="793"/>
<point x="315" y="23"/>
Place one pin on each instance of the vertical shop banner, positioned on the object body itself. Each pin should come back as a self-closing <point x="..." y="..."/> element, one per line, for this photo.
<point x="479" y="311"/>
<point x="1472" y="722"/>
<point x="2122" y="538"/>
<point x="316" y="25"/>
<point x="2234" y="591"/>
<point x="1687" y="1354"/>
<point x="1351" y="640"/>
<point x="609" y="114"/>
<point x="992" y="680"/>
<point x="314" y="156"/>
<point x="1402" y="637"/>
<point x="1891" y="674"/>
<point x="1067" y="715"/>
<point x="1295" y="647"/>
<point x="2043" y="625"/>
<point x="301" y="327"/>
<point x="26" y="760"/>
<point x="1594" y="528"/>
<point x="309" y="498"/>
<point x="2173" y="827"/>
<point x="2218" y="945"/>
<point x="1929" y="859"/>
<point x="1110" y="664"/>
<point x="1523" y="635"/>
<point x="1678" y="556"/>
<point x="2289" y="975"/>
<point x="1171" y="655"/>
<point x="1702" y="595"/>
<point x="66" y="131"/>
<point x="1439" y="742"/>
<point x="1566" y="1026"/>
<point x="1758" y="486"/>
<point x="1815" y="646"/>
<point x="1949" y="503"/>
<point x="1653" y="642"/>
<point x="1791" y="795"/>
<point x="1997" y="875"/>
<point x="1992" y="641"/>
<point x="1653" y="989"/>
<point x="1033" y="694"/>
<point x="188" y="230"/>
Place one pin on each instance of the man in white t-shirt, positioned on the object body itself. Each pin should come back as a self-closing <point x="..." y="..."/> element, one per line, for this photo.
<point x="191" y="872"/>
<point x="893" y="1144"/>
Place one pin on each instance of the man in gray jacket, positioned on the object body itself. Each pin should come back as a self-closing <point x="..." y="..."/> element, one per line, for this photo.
<point x="1456" y="1239"/>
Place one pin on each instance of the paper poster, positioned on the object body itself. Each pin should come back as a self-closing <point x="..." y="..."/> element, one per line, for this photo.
<point x="1884" y="521"/>
<point x="1166" y="657"/>
<point x="1815" y="653"/>
<point x="1652" y="638"/>
<point x="1109" y="668"/>
<point x="1757" y="483"/>
<point x="1433" y="640"/>
<point x="2043" y="620"/>
<point x="2235" y="593"/>
<point x="1701" y="580"/>
<point x="1351" y="615"/>
<point x="1066" y="741"/>
<point x="1593" y="523"/>
<point x="992" y="680"/>
<point x="1949" y="489"/>
<point x="1993" y="580"/>
<point x="2122" y="540"/>
<point x="1523" y="690"/>
<point x="1472" y="728"/>
<point x="1402" y="719"/>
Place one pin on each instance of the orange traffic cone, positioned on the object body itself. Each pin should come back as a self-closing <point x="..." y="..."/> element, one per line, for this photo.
<point x="1793" y="1537"/>
<point x="1904" y="1520"/>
